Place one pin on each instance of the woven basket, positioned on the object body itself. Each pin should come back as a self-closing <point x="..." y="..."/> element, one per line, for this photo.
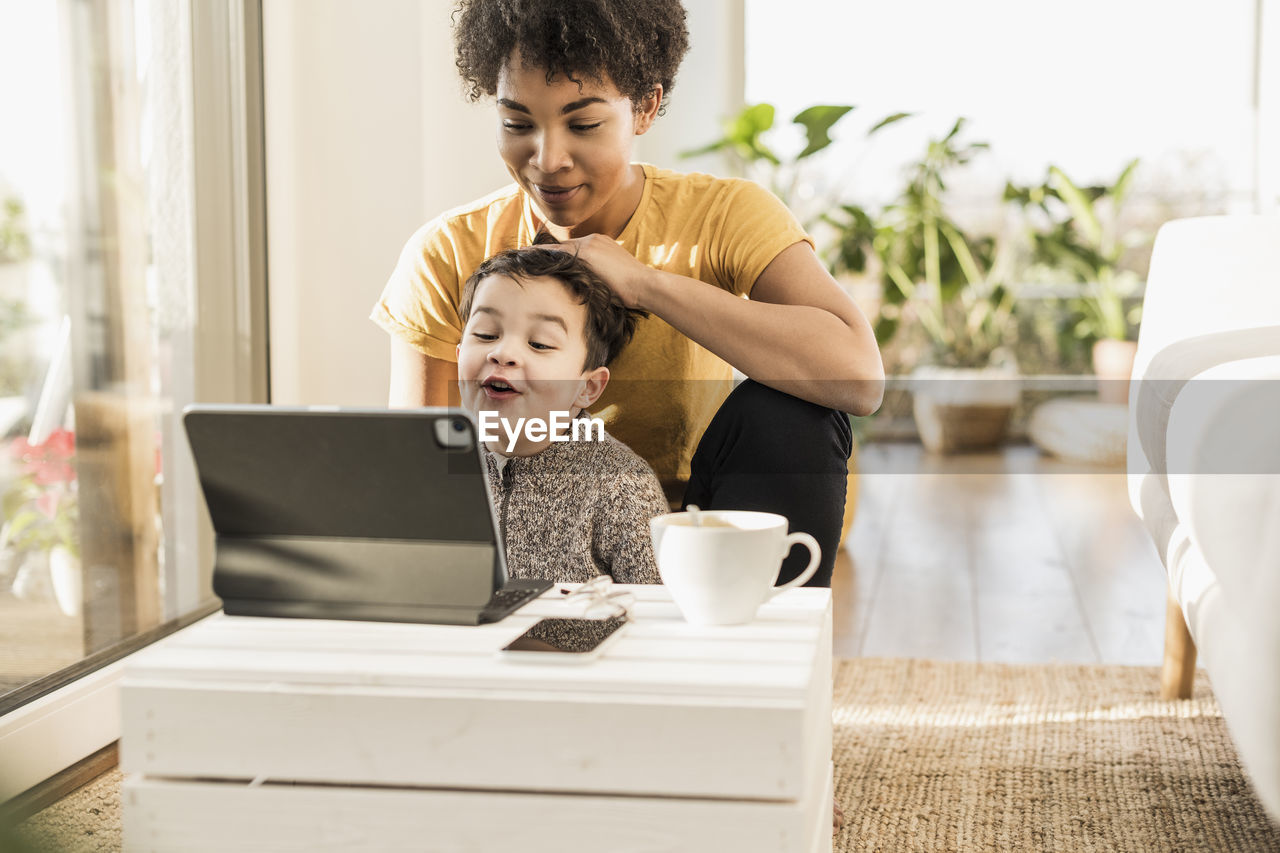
<point x="953" y="428"/>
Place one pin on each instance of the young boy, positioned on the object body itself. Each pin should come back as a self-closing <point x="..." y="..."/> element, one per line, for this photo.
<point x="540" y="330"/>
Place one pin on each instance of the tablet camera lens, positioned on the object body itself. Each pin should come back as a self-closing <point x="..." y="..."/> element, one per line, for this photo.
<point x="454" y="433"/>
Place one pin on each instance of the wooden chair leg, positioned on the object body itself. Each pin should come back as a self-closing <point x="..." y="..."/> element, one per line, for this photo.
<point x="1179" y="671"/>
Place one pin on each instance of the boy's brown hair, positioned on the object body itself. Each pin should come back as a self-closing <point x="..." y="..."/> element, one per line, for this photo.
<point x="610" y="323"/>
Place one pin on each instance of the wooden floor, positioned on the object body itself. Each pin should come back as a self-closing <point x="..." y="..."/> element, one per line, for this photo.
<point x="1008" y="556"/>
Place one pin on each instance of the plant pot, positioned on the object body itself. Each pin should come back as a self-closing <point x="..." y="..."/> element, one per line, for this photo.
<point x="1113" y="365"/>
<point x="68" y="580"/>
<point x="964" y="409"/>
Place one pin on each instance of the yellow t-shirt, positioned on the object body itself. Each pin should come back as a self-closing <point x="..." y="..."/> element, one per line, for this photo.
<point x="664" y="388"/>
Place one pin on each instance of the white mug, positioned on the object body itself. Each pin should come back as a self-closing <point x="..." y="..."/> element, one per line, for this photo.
<point x="720" y="572"/>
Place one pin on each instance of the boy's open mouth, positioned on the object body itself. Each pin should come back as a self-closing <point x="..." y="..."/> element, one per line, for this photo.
<point x="498" y="388"/>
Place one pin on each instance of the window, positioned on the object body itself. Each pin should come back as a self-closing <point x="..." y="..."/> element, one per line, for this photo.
<point x="1086" y="85"/>
<point x="131" y="284"/>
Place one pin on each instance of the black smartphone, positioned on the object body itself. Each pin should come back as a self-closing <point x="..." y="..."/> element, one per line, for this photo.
<point x="564" y="639"/>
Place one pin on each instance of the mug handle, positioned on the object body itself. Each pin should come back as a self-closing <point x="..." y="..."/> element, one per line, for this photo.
<point x="815" y="557"/>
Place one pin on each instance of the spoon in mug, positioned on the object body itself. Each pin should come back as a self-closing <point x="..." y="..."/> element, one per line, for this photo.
<point x="695" y="515"/>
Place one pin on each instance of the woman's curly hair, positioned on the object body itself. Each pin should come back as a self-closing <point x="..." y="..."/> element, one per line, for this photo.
<point x="635" y="44"/>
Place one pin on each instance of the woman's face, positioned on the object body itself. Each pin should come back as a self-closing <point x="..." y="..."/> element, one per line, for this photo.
<point x="569" y="148"/>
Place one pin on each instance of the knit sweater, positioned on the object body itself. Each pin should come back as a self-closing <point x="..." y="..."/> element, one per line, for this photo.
<point x="576" y="510"/>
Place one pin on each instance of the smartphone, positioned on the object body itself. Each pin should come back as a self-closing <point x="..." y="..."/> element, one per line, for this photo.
<point x="564" y="640"/>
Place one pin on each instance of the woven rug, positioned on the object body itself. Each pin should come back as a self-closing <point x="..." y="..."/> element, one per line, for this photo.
<point x="971" y="757"/>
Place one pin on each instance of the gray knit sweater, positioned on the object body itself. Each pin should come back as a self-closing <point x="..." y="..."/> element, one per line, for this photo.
<point x="576" y="510"/>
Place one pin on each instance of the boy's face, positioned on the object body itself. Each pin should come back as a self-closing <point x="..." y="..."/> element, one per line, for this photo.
<point x="569" y="148"/>
<point x="522" y="353"/>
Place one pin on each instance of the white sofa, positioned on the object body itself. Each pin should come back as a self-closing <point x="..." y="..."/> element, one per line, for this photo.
<point x="1204" y="467"/>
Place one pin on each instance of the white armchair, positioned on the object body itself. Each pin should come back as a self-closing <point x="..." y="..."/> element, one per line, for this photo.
<point x="1204" y="467"/>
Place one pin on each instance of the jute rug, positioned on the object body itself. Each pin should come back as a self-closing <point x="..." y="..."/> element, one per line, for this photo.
<point x="954" y="756"/>
<point x="971" y="757"/>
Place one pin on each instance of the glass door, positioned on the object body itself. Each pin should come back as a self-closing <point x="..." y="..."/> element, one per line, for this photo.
<point x="123" y="188"/>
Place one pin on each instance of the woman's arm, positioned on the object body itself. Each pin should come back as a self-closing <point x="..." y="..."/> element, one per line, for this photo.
<point x="799" y="333"/>
<point x="418" y="379"/>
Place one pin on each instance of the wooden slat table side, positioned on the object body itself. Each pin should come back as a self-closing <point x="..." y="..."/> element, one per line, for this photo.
<point x="170" y="816"/>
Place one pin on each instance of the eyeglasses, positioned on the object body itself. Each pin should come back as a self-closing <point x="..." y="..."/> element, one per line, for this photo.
<point x="603" y="601"/>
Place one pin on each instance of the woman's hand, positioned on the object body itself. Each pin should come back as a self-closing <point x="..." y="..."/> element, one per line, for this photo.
<point x="619" y="269"/>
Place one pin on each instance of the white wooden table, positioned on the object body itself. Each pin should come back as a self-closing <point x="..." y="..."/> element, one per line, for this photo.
<point x="308" y="735"/>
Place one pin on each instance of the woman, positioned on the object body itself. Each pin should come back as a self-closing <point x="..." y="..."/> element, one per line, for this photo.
<point x="575" y="83"/>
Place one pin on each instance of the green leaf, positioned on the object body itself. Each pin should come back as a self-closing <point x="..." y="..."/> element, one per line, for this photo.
<point x="718" y="145"/>
<point x="1075" y="259"/>
<point x="901" y="281"/>
<point x="885" y="329"/>
<point x="1079" y="204"/>
<point x="817" y="122"/>
<point x="745" y="130"/>
<point x="1036" y="195"/>
<point x="1120" y="188"/>
<point x="893" y="118"/>
<point x="754" y="120"/>
<point x="856" y="234"/>
<point x="742" y="134"/>
<point x="859" y="216"/>
<point x="20" y="524"/>
<point x="961" y="249"/>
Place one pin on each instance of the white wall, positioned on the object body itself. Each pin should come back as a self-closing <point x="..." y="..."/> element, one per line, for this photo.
<point x="369" y="136"/>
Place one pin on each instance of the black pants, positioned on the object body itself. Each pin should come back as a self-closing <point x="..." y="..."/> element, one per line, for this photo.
<point x="768" y="451"/>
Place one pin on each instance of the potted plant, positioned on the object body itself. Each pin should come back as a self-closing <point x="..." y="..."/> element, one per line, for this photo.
<point x="1078" y="236"/>
<point x="946" y="287"/>
<point x="41" y="510"/>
